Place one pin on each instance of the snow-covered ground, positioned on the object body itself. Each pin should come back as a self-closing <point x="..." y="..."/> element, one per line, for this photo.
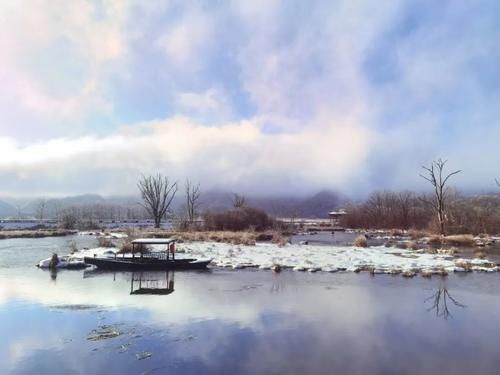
<point x="321" y="258"/>
<point x="104" y="234"/>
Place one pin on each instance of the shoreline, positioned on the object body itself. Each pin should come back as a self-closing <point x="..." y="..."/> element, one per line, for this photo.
<point x="35" y="233"/>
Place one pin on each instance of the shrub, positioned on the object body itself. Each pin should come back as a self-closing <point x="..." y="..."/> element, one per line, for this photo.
<point x="105" y="242"/>
<point x="360" y="241"/>
<point x="238" y="219"/>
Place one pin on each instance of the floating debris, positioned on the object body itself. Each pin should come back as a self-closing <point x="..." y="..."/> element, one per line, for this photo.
<point x="103" y="333"/>
<point x="123" y="348"/>
<point x="143" y="355"/>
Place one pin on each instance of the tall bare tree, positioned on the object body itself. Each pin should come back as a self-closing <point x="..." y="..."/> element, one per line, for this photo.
<point x="404" y="200"/>
<point x="40" y="209"/>
<point x="193" y="193"/>
<point x="238" y="201"/>
<point x="157" y="193"/>
<point x="436" y="175"/>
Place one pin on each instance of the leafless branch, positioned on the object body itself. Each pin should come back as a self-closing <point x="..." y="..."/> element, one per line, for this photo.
<point x="157" y="194"/>
<point x="438" y="178"/>
<point x="193" y="194"/>
<point x="238" y="201"/>
<point x="440" y="303"/>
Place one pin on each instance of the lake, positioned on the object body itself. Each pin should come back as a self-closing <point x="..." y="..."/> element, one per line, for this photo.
<point x="239" y="321"/>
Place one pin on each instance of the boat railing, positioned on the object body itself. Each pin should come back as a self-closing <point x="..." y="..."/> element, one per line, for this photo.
<point x="163" y="255"/>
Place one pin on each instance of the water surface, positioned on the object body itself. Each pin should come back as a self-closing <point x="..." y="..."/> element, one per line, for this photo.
<point x="244" y="321"/>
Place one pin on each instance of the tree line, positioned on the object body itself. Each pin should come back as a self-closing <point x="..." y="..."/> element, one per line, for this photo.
<point x="444" y="210"/>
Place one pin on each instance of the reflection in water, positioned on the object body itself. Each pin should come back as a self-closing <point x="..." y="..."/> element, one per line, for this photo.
<point x="441" y="302"/>
<point x="156" y="283"/>
<point x="240" y="322"/>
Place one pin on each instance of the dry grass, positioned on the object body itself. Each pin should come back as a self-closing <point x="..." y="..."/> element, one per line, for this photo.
<point x="417" y="234"/>
<point x="460" y="240"/>
<point x="435" y="241"/>
<point x="360" y="241"/>
<point x="6" y="234"/>
<point x="396" y="233"/>
<point x="480" y="254"/>
<point x="105" y="242"/>
<point x="248" y="238"/>
<point x="412" y="245"/>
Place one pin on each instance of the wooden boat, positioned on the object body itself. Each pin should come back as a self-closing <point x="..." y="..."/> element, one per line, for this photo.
<point x="148" y="261"/>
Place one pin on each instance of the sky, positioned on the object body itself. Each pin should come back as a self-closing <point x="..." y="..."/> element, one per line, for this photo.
<point x="260" y="97"/>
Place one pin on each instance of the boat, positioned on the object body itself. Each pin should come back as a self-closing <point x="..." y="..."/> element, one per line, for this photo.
<point x="63" y="262"/>
<point x="146" y="260"/>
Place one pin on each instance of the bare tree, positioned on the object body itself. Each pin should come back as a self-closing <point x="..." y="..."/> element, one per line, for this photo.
<point x="19" y="210"/>
<point x="440" y="302"/>
<point x="40" y="209"/>
<point x="497" y="182"/>
<point x="404" y="200"/>
<point x="192" y="201"/>
<point x="438" y="178"/>
<point x="239" y="201"/>
<point x="157" y="194"/>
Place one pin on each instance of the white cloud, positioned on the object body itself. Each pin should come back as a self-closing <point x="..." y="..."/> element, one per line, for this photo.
<point x="302" y="71"/>
<point x="26" y="34"/>
<point x="212" y="105"/>
<point x="238" y="155"/>
<point x="185" y="42"/>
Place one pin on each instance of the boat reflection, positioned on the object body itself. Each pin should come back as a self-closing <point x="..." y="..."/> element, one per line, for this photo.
<point x="441" y="302"/>
<point x="155" y="283"/>
<point x="141" y="283"/>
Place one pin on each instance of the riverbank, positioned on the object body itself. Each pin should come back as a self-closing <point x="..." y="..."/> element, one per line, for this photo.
<point x="38" y="233"/>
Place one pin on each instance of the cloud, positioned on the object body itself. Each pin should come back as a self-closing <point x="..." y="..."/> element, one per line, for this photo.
<point x="261" y="95"/>
<point x="236" y="155"/>
<point x="184" y="42"/>
<point x="54" y="60"/>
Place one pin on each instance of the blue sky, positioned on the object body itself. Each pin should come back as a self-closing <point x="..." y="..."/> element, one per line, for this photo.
<point x="262" y="96"/>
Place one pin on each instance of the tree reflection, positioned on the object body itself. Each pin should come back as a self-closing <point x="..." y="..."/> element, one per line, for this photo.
<point x="441" y="301"/>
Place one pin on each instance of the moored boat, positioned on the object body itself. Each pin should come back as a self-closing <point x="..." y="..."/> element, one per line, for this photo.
<point x="148" y="261"/>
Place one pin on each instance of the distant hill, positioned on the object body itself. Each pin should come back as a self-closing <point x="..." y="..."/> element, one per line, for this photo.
<point x="314" y="206"/>
<point x="6" y="209"/>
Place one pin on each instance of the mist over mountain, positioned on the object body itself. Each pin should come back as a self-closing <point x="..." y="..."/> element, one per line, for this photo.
<point x="6" y="209"/>
<point x="313" y="206"/>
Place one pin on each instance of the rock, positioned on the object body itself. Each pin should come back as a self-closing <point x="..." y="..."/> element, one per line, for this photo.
<point x="426" y="273"/>
<point x="394" y="271"/>
<point x="408" y="274"/>
<point x="440" y="272"/>
<point x="276" y="268"/>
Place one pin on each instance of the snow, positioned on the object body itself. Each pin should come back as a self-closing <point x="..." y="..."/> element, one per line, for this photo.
<point x="319" y="258"/>
<point x="323" y="258"/>
<point x="104" y="234"/>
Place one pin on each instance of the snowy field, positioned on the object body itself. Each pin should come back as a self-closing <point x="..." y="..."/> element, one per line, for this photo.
<point x="321" y="258"/>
